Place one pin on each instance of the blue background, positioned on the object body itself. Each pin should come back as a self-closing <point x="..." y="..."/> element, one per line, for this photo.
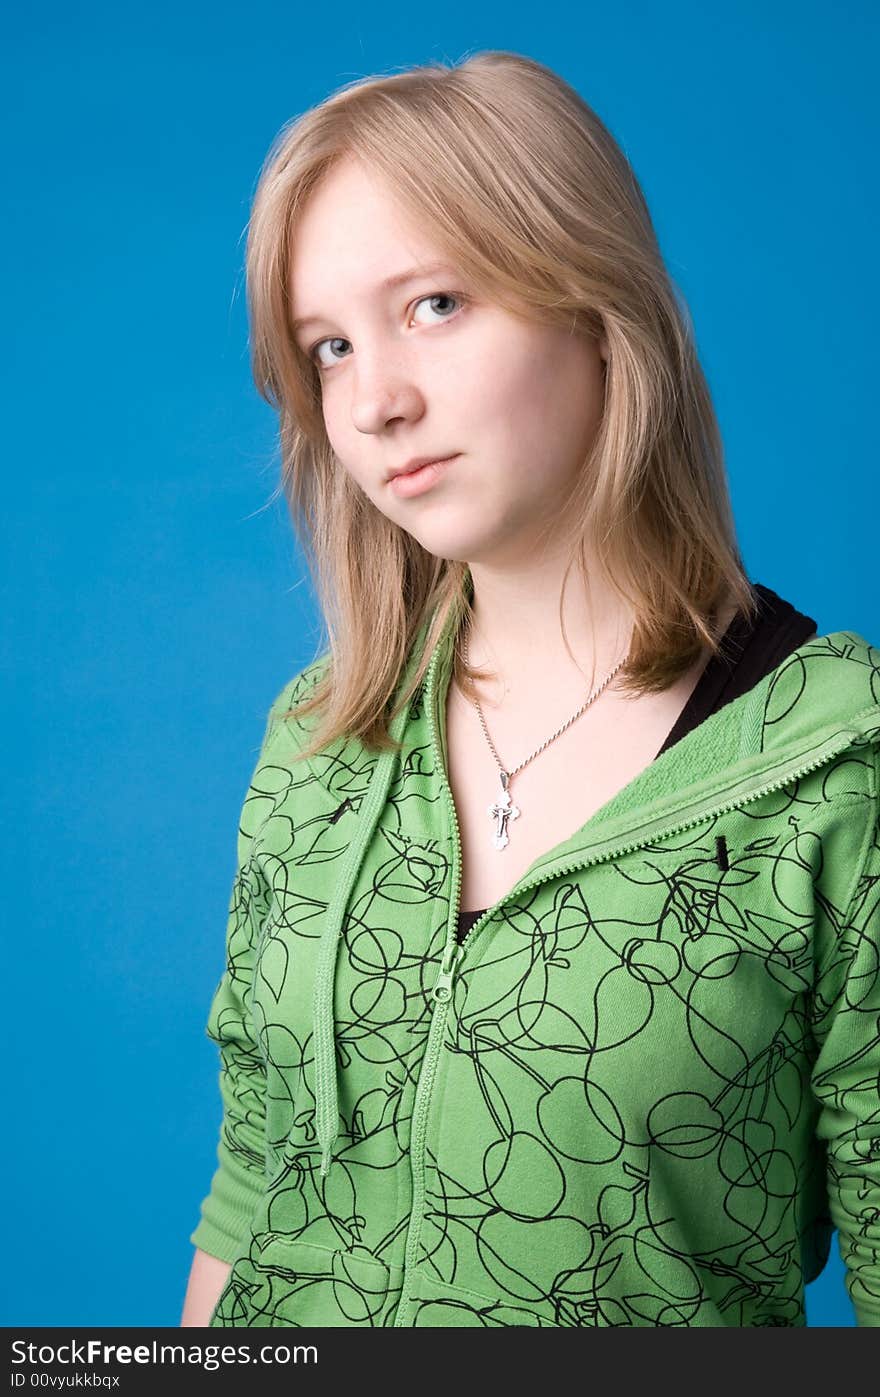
<point x="154" y="600"/>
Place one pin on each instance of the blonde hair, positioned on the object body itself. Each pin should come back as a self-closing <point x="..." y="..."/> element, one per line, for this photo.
<point x="526" y="190"/>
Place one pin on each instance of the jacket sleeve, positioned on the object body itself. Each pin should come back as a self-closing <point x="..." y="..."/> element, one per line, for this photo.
<point x="239" y="1180"/>
<point x="846" y="1078"/>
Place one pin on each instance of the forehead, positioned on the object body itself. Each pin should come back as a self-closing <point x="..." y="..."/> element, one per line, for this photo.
<point x="353" y="234"/>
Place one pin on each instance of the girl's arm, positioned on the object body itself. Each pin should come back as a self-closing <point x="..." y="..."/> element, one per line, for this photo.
<point x="208" y="1275"/>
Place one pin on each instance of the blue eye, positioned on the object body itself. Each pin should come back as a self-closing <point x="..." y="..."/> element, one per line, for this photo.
<point x="440" y="296"/>
<point x="456" y="296"/>
<point x="313" y="353"/>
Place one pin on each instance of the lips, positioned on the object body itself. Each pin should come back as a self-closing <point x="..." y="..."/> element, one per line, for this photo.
<point x="418" y="462"/>
<point x="407" y="484"/>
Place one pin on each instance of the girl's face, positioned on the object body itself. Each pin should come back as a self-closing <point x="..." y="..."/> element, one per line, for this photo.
<point x="424" y="368"/>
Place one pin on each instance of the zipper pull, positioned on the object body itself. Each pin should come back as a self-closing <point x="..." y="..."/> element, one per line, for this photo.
<point x="443" y="986"/>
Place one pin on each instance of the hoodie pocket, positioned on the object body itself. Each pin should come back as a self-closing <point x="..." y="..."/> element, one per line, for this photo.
<point x="438" y="1305"/>
<point x="282" y="1283"/>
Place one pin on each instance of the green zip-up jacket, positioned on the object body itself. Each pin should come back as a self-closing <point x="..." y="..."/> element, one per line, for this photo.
<point x="645" y="1088"/>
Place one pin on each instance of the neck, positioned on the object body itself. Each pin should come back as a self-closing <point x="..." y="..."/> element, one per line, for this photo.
<point x="517" y="631"/>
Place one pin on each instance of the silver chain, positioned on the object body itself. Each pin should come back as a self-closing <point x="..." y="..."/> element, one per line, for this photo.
<point x="505" y="774"/>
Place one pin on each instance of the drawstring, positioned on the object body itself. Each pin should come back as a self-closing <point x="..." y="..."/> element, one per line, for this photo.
<point x="324" y="1027"/>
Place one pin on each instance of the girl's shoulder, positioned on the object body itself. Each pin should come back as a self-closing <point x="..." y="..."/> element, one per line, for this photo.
<point x="295" y="691"/>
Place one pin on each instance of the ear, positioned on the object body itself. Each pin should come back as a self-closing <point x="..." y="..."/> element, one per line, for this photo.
<point x="603" y="347"/>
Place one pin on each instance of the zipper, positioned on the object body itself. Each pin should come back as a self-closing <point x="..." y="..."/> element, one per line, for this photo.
<point x="731" y="796"/>
<point x="417" y="1151"/>
<point x="442" y="990"/>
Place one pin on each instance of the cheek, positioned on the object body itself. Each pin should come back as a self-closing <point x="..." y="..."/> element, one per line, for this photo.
<point x="530" y="421"/>
<point x="522" y="396"/>
<point x="555" y="409"/>
<point x="344" y="444"/>
<point x="335" y="435"/>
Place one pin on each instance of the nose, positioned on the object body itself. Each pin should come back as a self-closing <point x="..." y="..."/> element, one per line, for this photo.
<point x="384" y="390"/>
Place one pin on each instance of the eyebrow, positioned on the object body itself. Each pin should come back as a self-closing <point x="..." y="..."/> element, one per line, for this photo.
<point x="388" y="284"/>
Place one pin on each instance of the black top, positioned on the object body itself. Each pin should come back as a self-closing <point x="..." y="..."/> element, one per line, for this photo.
<point x="750" y="650"/>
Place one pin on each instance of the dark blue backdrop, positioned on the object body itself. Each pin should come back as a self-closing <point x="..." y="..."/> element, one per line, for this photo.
<point x="154" y="601"/>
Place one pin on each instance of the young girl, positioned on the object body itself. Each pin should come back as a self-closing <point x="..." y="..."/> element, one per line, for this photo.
<point x="551" y="991"/>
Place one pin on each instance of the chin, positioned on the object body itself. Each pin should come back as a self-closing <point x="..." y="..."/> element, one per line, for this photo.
<point x="451" y="549"/>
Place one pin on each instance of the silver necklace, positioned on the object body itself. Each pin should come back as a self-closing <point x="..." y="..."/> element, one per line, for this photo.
<point x="503" y="810"/>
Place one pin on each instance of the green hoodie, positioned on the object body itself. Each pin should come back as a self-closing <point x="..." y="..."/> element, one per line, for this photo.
<point x="645" y="1088"/>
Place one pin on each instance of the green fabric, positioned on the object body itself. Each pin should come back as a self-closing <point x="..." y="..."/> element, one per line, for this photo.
<point x="649" y="1085"/>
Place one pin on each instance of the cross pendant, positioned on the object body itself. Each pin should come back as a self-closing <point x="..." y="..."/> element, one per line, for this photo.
<point x="502" y="812"/>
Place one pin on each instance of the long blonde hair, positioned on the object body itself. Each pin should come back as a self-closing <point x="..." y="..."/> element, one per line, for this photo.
<point x="527" y="191"/>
